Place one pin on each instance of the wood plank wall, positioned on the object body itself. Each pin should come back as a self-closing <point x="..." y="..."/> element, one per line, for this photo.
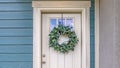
<point x="16" y="34"/>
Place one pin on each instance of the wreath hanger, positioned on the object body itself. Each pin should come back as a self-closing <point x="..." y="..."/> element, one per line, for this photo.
<point x="62" y="18"/>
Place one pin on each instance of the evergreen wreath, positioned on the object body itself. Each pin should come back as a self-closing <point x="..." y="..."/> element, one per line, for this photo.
<point x="63" y="31"/>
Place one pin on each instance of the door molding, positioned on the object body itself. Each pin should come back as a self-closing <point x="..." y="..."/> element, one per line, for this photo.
<point x="37" y="15"/>
<point x="61" y="4"/>
<point x="97" y="33"/>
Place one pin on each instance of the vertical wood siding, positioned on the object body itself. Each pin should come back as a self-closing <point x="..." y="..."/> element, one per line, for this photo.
<point x="109" y="34"/>
<point x="92" y="35"/>
<point x="15" y="34"/>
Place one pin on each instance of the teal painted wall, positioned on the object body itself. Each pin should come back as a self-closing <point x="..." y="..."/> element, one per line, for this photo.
<point x="92" y="34"/>
<point x="16" y="34"/>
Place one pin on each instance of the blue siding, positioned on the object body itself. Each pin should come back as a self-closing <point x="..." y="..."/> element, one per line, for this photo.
<point x="15" y="64"/>
<point x="18" y="49"/>
<point x="15" y="7"/>
<point x="16" y="23"/>
<point x="92" y="36"/>
<point x="12" y="1"/>
<point x="15" y="57"/>
<point x="15" y="15"/>
<point x="16" y="34"/>
<point x="16" y="40"/>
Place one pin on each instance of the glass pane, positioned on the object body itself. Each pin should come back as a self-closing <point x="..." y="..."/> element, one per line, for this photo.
<point x="65" y="22"/>
<point x="52" y="23"/>
<point x="61" y="22"/>
<point x="69" y="22"/>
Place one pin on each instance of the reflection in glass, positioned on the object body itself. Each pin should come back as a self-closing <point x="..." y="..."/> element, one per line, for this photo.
<point x="61" y="22"/>
<point x="69" y="22"/>
<point x="52" y="23"/>
<point x="65" y="22"/>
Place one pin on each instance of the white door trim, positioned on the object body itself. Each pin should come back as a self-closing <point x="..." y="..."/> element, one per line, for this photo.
<point x="96" y="33"/>
<point x="37" y="11"/>
<point x="61" y="4"/>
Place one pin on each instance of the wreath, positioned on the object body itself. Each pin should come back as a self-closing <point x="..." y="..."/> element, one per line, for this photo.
<point x="64" y="47"/>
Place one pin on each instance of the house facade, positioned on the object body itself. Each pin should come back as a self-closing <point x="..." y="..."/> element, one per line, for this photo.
<point x="16" y="34"/>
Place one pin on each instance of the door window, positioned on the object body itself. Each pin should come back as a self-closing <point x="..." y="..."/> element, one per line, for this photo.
<point x="54" y="22"/>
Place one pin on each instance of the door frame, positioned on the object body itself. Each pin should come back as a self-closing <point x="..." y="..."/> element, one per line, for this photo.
<point x="61" y="6"/>
<point x="97" y="7"/>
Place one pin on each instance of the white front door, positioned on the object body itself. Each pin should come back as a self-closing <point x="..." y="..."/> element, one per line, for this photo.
<point x="50" y="57"/>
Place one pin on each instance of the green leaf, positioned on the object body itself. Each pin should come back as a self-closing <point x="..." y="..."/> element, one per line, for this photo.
<point x="62" y="30"/>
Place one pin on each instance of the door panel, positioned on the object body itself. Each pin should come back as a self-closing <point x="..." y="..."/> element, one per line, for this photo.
<point x="50" y="57"/>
